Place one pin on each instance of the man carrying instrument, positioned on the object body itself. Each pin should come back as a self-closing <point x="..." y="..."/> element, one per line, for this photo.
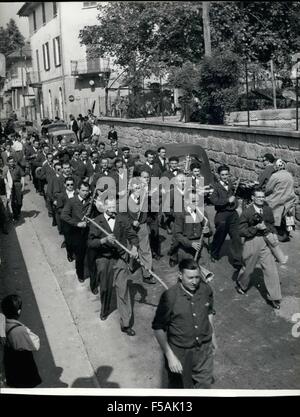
<point x="73" y="213"/>
<point x="111" y="261"/>
<point x="137" y="214"/>
<point x="189" y="227"/>
<point x="226" y="218"/>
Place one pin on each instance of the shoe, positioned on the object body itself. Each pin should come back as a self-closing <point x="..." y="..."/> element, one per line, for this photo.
<point x="102" y="317"/>
<point x="172" y="263"/>
<point x="156" y="257"/>
<point x="80" y="280"/>
<point x="70" y="258"/>
<point x="149" y="280"/>
<point x="214" y="258"/>
<point x="95" y="291"/>
<point x="240" y="290"/>
<point x="128" y="330"/>
<point x="63" y="245"/>
<point x="275" y="304"/>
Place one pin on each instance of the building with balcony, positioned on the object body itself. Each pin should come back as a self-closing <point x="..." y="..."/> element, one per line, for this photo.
<point x="16" y="94"/>
<point x="64" y="79"/>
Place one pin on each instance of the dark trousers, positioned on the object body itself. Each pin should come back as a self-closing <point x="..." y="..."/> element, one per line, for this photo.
<point x="153" y="223"/>
<point x="78" y="239"/>
<point x="197" y="364"/>
<point x="35" y="180"/>
<point x="227" y="223"/>
<point x="16" y="199"/>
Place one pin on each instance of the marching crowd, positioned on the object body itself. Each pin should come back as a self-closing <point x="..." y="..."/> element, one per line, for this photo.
<point x="84" y="187"/>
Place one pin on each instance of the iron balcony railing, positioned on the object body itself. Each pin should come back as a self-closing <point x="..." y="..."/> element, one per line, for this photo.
<point x="90" y="66"/>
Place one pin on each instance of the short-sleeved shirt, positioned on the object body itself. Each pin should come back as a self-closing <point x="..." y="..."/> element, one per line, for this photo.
<point x="185" y="317"/>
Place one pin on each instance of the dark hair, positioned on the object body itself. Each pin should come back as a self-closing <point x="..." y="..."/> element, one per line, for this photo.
<point x="10" y="158"/>
<point x="118" y="160"/>
<point x="187" y="264"/>
<point x="86" y="184"/>
<point x="49" y="153"/>
<point x="125" y="148"/>
<point x="101" y="143"/>
<point x="10" y="306"/>
<point x="195" y="165"/>
<point x="66" y="163"/>
<point x="269" y="157"/>
<point x="149" y="152"/>
<point x="84" y="150"/>
<point x="257" y="189"/>
<point x="160" y="148"/>
<point x="57" y="164"/>
<point x="174" y="158"/>
<point x="69" y="179"/>
<point x="223" y="168"/>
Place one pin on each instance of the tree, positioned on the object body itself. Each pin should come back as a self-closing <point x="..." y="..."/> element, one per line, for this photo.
<point x="257" y="30"/>
<point x="11" y="38"/>
<point x="218" y="86"/>
<point x="145" y="34"/>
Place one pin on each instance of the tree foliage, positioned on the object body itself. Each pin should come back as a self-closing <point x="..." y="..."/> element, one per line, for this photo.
<point x="257" y="30"/>
<point x="11" y="38"/>
<point x="151" y="35"/>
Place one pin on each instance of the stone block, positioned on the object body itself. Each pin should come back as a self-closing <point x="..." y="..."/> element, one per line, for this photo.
<point x="286" y="155"/>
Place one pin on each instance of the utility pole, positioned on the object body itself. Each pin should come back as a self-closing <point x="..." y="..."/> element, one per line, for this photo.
<point x="206" y="27"/>
<point x="273" y="84"/>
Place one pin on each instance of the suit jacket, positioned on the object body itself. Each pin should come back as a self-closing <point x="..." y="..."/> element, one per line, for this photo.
<point x="123" y="232"/>
<point x="185" y="232"/>
<point x="99" y="175"/>
<point x="74" y="211"/>
<point x="40" y="158"/>
<point x="246" y="227"/>
<point x="112" y="135"/>
<point x="162" y="167"/>
<point x="112" y="155"/>
<point x="153" y="172"/>
<point x="79" y="168"/>
<point x="62" y="199"/>
<point x="90" y="170"/>
<point x="46" y="173"/>
<point x="220" y="196"/>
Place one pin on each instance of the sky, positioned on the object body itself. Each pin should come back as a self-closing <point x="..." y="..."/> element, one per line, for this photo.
<point x="9" y="10"/>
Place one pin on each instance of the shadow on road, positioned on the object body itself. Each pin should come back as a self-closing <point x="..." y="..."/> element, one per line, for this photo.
<point x="103" y="373"/>
<point x="14" y="279"/>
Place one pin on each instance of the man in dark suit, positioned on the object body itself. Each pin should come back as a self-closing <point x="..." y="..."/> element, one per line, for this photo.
<point x="111" y="261"/>
<point x="188" y="229"/>
<point x="92" y="165"/>
<point x="103" y="171"/>
<point x="58" y="186"/>
<point x="73" y="214"/>
<point x="161" y="160"/>
<point x="78" y="167"/>
<point x="173" y="170"/>
<point x="256" y="222"/>
<point x="150" y="166"/>
<point x="226" y="218"/>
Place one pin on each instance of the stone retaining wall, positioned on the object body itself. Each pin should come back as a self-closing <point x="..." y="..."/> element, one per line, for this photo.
<point x="240" y="148"/>
<point x="280" y="118"/>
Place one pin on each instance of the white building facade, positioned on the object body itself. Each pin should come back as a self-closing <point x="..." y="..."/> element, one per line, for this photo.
<point x="64" y="80"/>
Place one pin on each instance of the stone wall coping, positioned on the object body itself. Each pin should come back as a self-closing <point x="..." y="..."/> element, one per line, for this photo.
<point x="196" y="126"/>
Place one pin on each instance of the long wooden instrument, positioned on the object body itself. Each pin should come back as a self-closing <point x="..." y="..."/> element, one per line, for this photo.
<point x="127" y="251"/>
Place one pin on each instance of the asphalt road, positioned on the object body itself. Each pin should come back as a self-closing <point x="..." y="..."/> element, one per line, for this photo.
<point x="257" y="349"/>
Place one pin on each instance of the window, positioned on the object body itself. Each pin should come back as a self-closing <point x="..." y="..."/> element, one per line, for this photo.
<point x="54" y="8"/>
<point x="56" y="51"/>
<point x="43" y="13"/>
<point x="34" y="20"/>
<point x="46" y="56"/>
<point x="89" y="4"/>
